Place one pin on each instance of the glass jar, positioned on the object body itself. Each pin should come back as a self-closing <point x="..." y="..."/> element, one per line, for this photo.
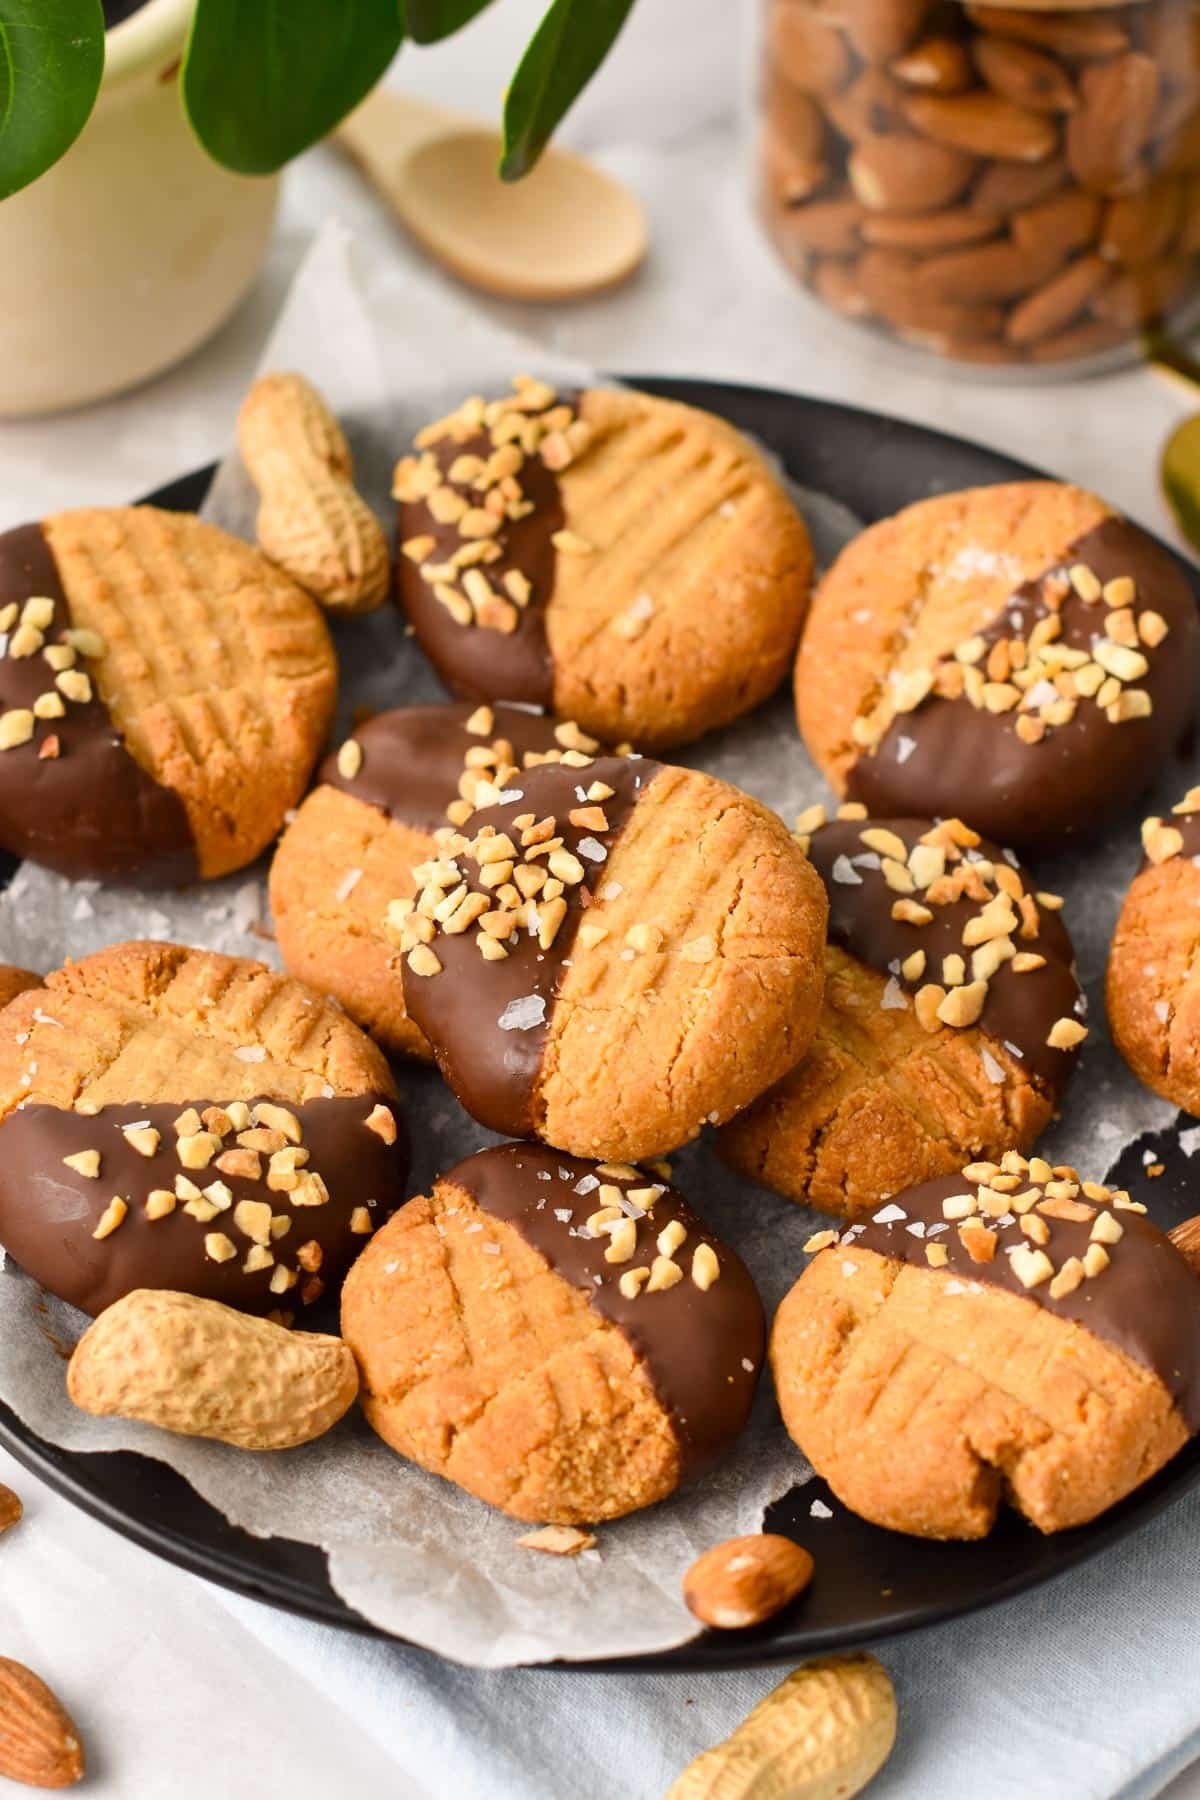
<point x="1007" y="185"/>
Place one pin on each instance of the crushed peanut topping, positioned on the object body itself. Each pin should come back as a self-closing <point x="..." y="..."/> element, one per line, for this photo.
<point x="259" y="1142"/>
<point x="944" y="868"/>
<point x="1014" y="1209"/>
<point x="1162" y="840"/>
<point x="481" y="496"/>
<point x="1033" y="674"/>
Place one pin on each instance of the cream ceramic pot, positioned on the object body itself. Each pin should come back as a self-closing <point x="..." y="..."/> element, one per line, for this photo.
<point x="135" y="247"/>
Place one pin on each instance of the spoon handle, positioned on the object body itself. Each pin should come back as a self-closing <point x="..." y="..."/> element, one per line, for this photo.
<point x="383" y="132"/>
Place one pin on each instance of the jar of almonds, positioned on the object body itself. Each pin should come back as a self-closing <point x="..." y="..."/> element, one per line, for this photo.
<point x="1011" y="184"/>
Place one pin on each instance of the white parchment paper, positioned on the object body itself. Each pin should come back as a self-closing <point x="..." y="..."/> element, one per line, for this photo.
<point x="410" y="1552"/>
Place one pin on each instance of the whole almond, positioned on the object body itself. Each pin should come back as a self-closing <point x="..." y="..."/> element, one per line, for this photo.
<point x="1026" y="76"/>
<point x="792" y="173"/>
<point x="835" y="281"/>
<point x="199" y="1368"/>
<point x="896" y="174"/>
<point x="11" y="1510"/>
<point x="1069" y="221"/>
<point x="746" y="1580"/>
<point x="822" y="1734"/>
<point x="937" y="65"/>
<point x="823" y="228"/>
<point x="794" y="119"/>
<point x="1146" y="294"/>
<point x="881" y="32"/>
<point x="1107" y="134"/>
<point x="811" y="55"/>
<point x="1080" y="34"/>
<point x="999" y="271"/>
<point x="891" y="283"/>
<point x="1089" y="338"/>
<point x="1179" y="151"/>
<point x="984" y="125"/>
<point x="925" y="233"/>
<point x="1006" y="187"/>
<point x="869" y="106"/>
<point x="39" y="1745"/>
<point x="1188" y="241"/>
<point x="1051" y="307"/>
<point x="1139" y="227"/>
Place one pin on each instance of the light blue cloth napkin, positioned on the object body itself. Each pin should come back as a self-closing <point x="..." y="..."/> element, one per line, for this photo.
<point x="1087" y="1688"/>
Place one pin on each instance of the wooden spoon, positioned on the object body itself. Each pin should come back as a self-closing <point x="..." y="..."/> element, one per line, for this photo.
<point x="564" y="231"/>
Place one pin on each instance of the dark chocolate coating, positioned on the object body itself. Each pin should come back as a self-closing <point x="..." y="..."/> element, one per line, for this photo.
<point x="970" y="763"/>
<point x="702" y="1349"/>
<point x="1146" y="1302"/>
<point x="1019" y="1010"/>
<point x="493" y="1069"/>
<point x="477" y="663"/>
<point x="413" y="757"/>
<point x="48" y="1212"/>
<point x="93" y="810"/>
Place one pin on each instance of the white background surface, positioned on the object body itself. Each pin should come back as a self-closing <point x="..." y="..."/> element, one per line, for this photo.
<point x="172" y="1695"/>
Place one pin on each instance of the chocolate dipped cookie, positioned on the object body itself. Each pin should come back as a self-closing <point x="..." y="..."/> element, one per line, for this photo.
<point x="380" y="803"/>
<point x="1152" y="989"/>
<point x="1019" y="656"/>
<point x="164" y="692"/>
<point x="1012" y="1332"/>
<point x="171" y="1118"/>
<point x="615" y="954"/>
<point x="951" y="1020"/>
<point x="563" y="1339"/>
<point x="609" y="557"/>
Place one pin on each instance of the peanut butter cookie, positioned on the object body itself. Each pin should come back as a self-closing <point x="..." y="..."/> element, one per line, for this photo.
<point x="613" y="558"/>
<point x="1153" y="983"/>
<point x="14" y="981"/>
<point x="163" y="695"/>
<point x="1018" y="656"/>
<point x="171" y="1118"/>
<point x="565" y="1340"/>
<point x="616" y="954"/>
<point x="951" y="1021"/>
<point x="374" y="815"/>
<point x="1009" y="1333"/>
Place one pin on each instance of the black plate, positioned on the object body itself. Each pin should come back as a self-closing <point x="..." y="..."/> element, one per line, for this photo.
<point x="873" y="1583"/>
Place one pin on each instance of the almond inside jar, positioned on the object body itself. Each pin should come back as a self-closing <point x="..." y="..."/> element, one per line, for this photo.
<point x="1009" y="185"/>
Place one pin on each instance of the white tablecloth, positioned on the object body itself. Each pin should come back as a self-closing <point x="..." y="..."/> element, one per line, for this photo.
<point x="182" y="1692"/>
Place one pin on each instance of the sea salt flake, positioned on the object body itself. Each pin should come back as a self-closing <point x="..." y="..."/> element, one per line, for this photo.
<point x="1162" y="1011"/>
<point x="844" y="871"/>
<point x="523" y="1014"/>
<point x="747" y="1365"/>
<point x="893" y="998"/>
<point x="587" y="1184"/>
<point x="610" y="890"/>
<point x="564" y="1214"/>
<point x="1014" y="1050"/>
<point x="889" y="1215"/>
<point x="904" y="748"/>
<point x="592" y="848"/>
<point x="250" y="1053"/>
<point x="917" y="1228"/>
<point x="849" y="1269"/>
<point x="491" y="1249"/>
<point x="991" y="1068"/>
<point x="819" y="1510"/>
<point x="347" y="884"/>
<point x="1189" y="1141"/>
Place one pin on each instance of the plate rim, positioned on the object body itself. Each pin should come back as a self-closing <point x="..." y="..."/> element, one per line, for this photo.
<point x="66" y="1471"/>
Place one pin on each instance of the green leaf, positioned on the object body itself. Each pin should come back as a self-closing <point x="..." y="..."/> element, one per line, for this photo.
<point x="264" y="79"/>
<point x="51" y="61"/>
<point x="427" y="21"/>
<point x="568" y="47"/>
